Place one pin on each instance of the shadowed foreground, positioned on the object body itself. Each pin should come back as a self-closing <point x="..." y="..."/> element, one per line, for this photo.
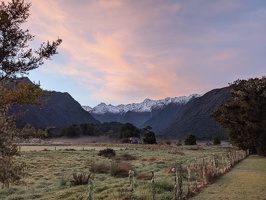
<point x="246" y="181"/>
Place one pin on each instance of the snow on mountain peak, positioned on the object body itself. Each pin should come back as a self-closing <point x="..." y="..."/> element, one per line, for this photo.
<point x="87" y="108"/>
<point x="146" y="106"/>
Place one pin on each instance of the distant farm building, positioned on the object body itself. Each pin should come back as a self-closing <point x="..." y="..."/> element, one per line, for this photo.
<point x="134" y="140"/>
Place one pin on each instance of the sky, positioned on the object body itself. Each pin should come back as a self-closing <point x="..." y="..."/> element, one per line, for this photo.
<point x="124" y="51"/>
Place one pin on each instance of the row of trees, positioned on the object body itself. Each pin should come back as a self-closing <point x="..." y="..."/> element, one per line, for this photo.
<point x="114" y="130"/>
<point x="129" y="130"/>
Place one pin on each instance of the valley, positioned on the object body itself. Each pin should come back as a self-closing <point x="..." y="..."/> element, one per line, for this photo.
<point x="172" y="118"/>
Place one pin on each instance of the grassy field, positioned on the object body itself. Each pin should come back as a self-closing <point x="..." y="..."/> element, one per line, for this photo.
<point x="245" y="182"/>
<point x="50" y="170"/>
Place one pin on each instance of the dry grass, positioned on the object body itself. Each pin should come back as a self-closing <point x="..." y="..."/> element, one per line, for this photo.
<point x="49" y="172"/>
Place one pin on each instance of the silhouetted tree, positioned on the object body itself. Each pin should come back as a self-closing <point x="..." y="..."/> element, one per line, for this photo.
<point x="16" y="59"/>
<point x="129" y="130"/>
<point x="71" y="132"/>
<point x="191" y="140"/>
<point x="244" y="115"/>
<point x="149" y="136"/>
<point x="216" y="140"/>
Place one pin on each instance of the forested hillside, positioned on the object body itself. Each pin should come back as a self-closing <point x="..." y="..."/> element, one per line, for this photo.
<point x="196" y="118"/>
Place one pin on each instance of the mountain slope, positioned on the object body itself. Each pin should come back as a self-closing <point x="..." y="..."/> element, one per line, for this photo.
<point x="162" y="118"/>
<point x="60" y="110"/>
<point x="196" y="119"/>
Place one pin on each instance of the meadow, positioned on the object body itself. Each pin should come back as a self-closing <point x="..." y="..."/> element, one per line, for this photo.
<point x="50" y="169"/>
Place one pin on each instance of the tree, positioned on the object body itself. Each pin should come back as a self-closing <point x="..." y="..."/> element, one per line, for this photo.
<point x="191" y="140"/>
<point x="149" y="137"/>
<point x="216" y="140"/>
<point x="129" y="130"/>
<point x="16" y="60"/>
<point x="244" y="114"/>
<point x="15" y="56"/>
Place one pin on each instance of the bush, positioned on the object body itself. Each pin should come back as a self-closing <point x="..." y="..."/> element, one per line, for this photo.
<point x="108" y="153"/>
<point x="216" y="140"/>
<point x="191" y="140"/>
<point x="149" y="138"/>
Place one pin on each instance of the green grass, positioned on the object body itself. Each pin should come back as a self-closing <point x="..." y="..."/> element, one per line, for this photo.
<point x="49" y="172"/>
<point x="246" y="181"/>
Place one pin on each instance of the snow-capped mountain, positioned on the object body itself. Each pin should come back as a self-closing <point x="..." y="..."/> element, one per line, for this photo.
<point x="87" y="108"/>
<point x="146" y="106"/>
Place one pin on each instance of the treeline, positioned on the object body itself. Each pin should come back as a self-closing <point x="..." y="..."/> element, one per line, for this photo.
<point x="110" y="129"/>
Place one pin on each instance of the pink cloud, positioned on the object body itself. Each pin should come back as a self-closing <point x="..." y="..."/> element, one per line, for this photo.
<point x="131" y="50"/>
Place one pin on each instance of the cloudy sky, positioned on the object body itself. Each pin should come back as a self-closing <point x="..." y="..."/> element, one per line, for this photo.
<point x="123" y="51"/>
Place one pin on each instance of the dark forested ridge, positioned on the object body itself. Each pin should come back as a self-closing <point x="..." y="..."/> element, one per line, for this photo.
<point x="162" y="118"/>
<point x="59" y="110"/>
<point x="195" y="118"/>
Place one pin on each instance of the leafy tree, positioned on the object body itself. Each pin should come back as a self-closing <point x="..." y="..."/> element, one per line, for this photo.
<point x="216" y="140"/>
<point x="16" y="60"/>
<point x="129" y="130"/>
<point x="191" y="140"/>
<point x="244" y="115"/>
<point x="15" y="56"/>
<point x="149" y="137"/>
<point x="71" y="132"/>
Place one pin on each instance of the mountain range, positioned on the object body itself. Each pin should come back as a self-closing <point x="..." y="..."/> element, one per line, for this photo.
<point x="169" y="117"/>
<point x="135" y="113"/>
<point x="146" y="106"/>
